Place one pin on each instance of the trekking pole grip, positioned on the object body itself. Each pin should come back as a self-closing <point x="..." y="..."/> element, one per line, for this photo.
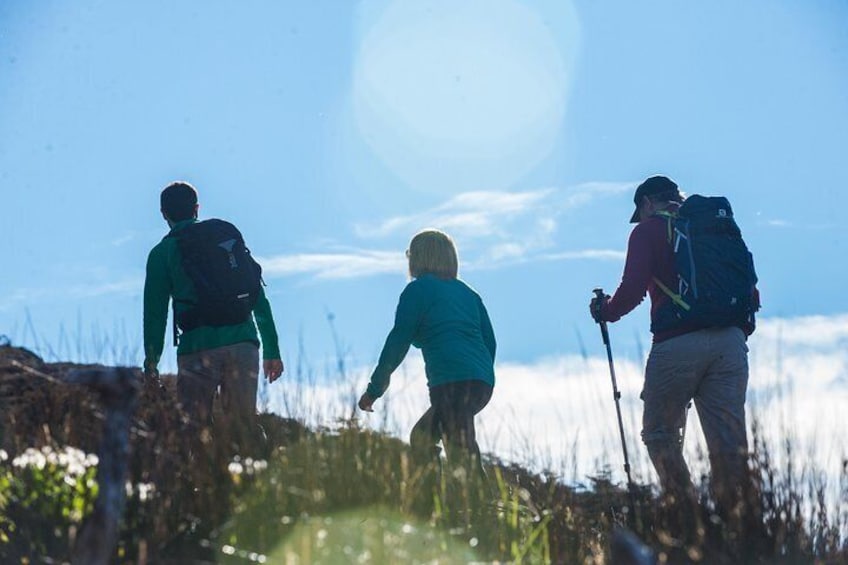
<point x="599" y="294"/>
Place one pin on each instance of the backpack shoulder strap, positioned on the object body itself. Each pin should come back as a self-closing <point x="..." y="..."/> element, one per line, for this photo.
<point x="676" y="298"/>
<point x="670" y="217"/>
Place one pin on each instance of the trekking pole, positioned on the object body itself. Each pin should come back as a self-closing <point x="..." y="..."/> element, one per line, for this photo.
<point x="599" y="293"/>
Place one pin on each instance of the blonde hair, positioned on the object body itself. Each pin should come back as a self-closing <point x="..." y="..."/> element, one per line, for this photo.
<point x="433" y="252"/>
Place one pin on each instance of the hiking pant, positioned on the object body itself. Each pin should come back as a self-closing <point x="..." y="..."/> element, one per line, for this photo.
<point x="232" y="368"/>
<point x="450" y="419"/>
<point x="709" y="366"/>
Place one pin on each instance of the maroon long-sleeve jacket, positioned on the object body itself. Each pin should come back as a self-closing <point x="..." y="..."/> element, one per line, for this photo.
<point x="649" y="255"/>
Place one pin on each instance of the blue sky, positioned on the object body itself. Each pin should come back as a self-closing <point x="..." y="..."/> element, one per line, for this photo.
<point x="330" y="132"/>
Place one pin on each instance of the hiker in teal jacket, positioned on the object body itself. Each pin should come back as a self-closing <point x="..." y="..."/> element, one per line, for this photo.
<point x="447" y="320"/>
<point x="208" y="357"/>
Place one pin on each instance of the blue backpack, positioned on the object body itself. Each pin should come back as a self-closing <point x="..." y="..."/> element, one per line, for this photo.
<point x="715" y="270"/>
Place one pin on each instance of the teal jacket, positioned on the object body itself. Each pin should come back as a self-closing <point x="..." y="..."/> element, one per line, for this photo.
<point x="167" y="279"/>
<point x="447" y="320"/>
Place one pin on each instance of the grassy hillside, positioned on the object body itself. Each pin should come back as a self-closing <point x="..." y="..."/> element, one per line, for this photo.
<point x="344" y="494"/>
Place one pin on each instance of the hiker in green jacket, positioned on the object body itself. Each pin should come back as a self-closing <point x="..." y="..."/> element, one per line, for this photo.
<point x="209" y="355"/>
<point x="447" y="320"/>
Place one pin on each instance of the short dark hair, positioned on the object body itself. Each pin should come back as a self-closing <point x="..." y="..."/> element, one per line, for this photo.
<point x="178" y="201"/>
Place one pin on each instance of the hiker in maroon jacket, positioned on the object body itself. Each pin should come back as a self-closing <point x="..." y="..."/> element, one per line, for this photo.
<point x="689" y="361"/>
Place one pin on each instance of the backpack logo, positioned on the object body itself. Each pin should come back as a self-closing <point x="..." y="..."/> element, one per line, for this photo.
<point x="722" y="213"/>
<point x="228" y="247"/>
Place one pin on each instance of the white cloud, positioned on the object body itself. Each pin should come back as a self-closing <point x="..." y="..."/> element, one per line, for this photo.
<point x="23" y="296"/>
<point x="482" y="214"/>
<point x="786" y="224"/>
<point x="41" y="294"/>
<point x="125" y="286"/>
<point x="807" y="331"/>
<point x="779" y="223"/>
<point x="124" y="239"/>
<point x="471" y="214"/>
<point x="341" y="265"/>
<point x="494" y="229"/>
<point x="602" y="254"/>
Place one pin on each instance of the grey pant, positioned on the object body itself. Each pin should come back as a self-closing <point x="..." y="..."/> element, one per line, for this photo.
<point x="711" y="367"/>
<point x="233" y="368"/>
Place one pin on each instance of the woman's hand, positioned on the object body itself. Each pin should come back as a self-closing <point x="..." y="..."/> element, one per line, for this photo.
<point x="366" y="403"/>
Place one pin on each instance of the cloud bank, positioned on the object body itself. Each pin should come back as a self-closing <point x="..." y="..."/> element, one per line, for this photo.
<point x="558" y="413"/>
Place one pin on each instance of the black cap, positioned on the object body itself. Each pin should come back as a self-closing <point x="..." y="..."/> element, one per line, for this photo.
<point x="654" y="185"/>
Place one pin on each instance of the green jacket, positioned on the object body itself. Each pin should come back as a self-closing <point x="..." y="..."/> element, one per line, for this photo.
<point x="447" y="320"/>
<point x="166" y="279"/>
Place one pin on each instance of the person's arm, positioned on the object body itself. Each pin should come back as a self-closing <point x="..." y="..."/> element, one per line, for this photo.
<point x="271" y="360"/>
<point x="636" y="277"/>
<point x="407" y="318"/>
<point x="486" y="328"/>
<point x="157" y="294"/>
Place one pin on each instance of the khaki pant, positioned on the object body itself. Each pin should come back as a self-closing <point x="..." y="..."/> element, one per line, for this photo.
<point x="710" y="367"/>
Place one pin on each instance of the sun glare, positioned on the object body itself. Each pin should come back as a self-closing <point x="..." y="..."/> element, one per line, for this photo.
<point x="459" y="96"/>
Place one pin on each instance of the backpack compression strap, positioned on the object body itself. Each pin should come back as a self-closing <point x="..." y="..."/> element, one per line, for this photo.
<point x="676" y="298"/>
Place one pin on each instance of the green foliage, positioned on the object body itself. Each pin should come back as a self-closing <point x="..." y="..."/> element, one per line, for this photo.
<point x="44" y="494"/>
<point x="353" y="475"/>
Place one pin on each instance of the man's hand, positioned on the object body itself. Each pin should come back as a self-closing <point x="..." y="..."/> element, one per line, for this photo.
<point x="273" y="369"/>
<point x="366" y="403"/>
<point x="596" y="306"/>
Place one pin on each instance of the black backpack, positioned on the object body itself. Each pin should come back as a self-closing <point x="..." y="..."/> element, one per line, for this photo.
<point x="226" y="278"/>
<point x="715" y="270"/>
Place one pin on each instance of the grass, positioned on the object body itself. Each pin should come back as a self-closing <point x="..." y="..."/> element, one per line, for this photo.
<point x="344" y="493"/>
